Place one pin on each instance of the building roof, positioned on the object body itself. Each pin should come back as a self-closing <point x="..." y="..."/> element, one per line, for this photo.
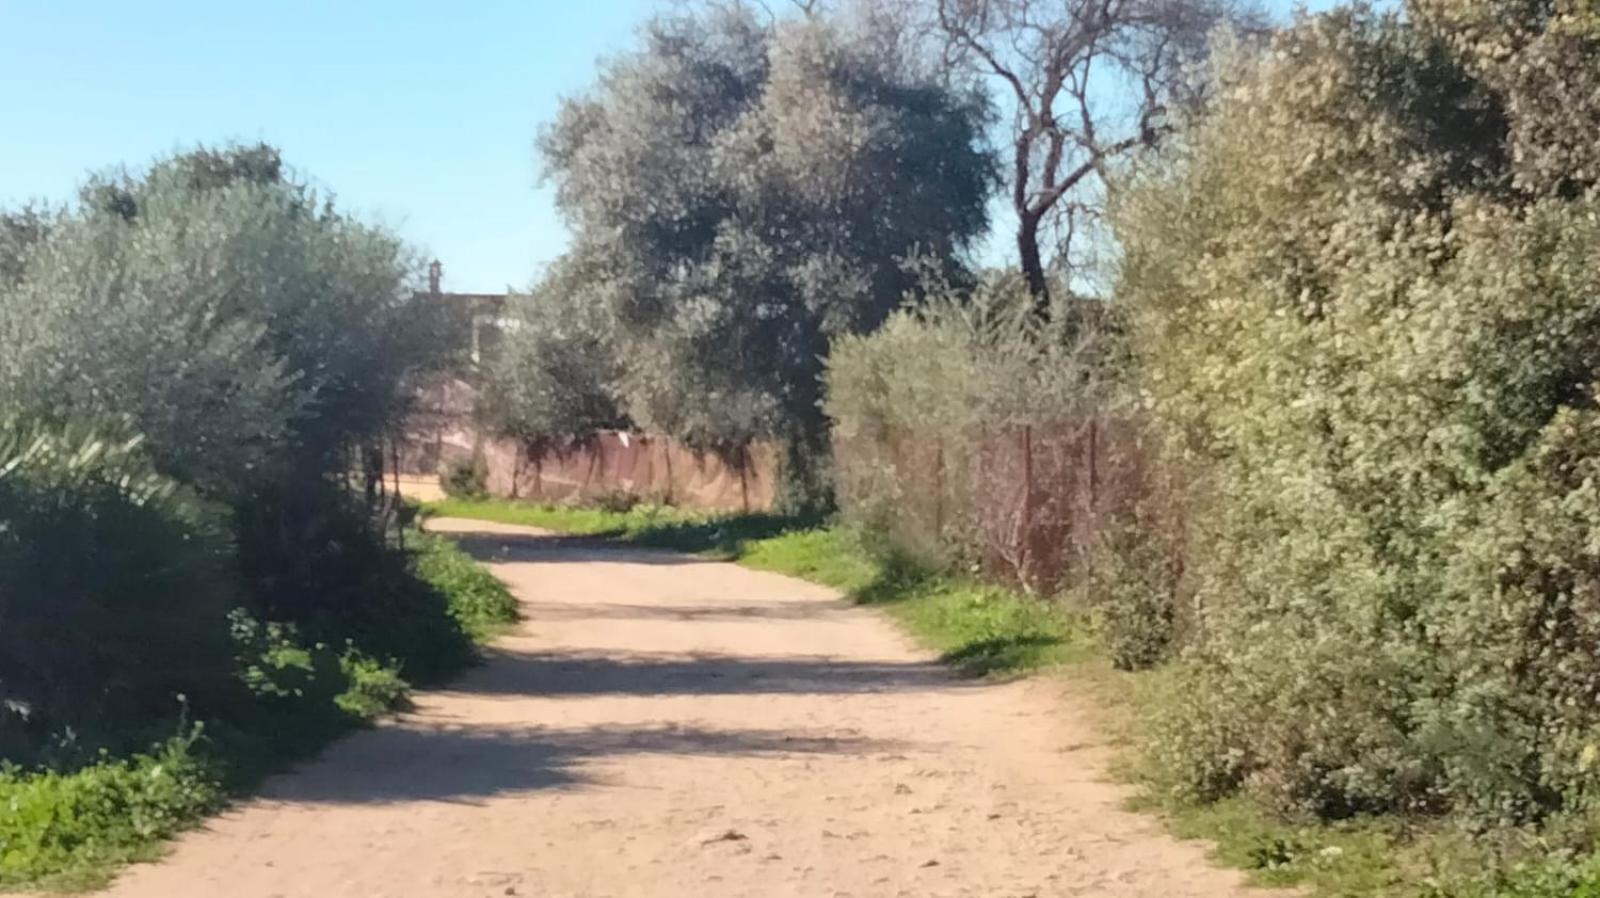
<point x="436" y="280"/>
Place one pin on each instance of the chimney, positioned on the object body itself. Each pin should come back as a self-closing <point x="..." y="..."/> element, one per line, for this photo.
<point x="435" y="274"/>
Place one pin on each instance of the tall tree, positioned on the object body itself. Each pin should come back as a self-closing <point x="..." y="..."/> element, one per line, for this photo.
<point x="742" y="192"/>
<point x="1087" y="81"/>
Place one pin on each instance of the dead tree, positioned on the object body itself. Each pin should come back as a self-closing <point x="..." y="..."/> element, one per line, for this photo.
<point x="1087" y="81"/>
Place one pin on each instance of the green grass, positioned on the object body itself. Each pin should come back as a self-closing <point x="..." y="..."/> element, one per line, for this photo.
<point x="822" y="555"/>
<point x="1382" y="857"/>
<point x="722" y="536"/>
<point x="68" y="831"/>
<point x="982" y="630"/>
<point x="574" y="520"/>
<point x="1352" y="858"/>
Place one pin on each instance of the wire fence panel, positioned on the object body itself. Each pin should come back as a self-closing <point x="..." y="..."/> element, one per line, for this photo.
<point x="1028" y="503"/>
<point x="442" y="429"/>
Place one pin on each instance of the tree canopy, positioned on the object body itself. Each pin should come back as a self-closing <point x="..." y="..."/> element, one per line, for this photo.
<point x="247" y="328"/>
<point x="1088" y="83"/>
<point x="741" y="192"/>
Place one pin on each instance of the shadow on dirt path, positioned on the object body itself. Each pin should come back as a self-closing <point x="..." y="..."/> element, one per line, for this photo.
<point x="664" y="726"/>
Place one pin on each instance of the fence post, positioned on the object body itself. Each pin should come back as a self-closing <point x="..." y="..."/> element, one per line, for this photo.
<point x="1094" y="468"/>
<point x="1089" y="539"/>
<point x="1025" y="535"/>
<point x="744" y="486"/>
<point x="666" y="458"/>
<point x="938" y="488"/>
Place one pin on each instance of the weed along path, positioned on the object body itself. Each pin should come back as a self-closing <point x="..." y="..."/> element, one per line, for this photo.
<point x="665" y="726"/>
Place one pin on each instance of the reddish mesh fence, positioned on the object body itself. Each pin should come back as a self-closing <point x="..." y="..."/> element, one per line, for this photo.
<point x="441" y="431"/>
<point x="1029" y="502"/>
<point x="653" y="468"/>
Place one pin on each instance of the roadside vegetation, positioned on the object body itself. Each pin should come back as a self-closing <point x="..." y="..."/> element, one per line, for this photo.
<point x="1319" y="299"/>
<point x="195" y="589"/>
<point x="1322" y="312"/>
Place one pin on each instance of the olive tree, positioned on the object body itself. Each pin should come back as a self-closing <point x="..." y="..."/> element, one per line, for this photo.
<point x="247" y="328"/>
<point x="20" y="231"/>
<point x="555" y="374"/>
<point x="745" y="192"/>
<point x="252" y="334"/>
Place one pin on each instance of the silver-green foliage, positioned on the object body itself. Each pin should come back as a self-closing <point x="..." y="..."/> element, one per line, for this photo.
<point x="1365" y="289"/>
<point x="742" y="195"/>
<point x="247" y="329"/>
<point x="911" y="401"/>
<point x="247" y="336"/>
<point x="555" y="374"/>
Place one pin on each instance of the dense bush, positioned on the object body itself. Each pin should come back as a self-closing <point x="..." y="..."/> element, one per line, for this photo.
<point x="1135" y="584"/>
<point x="914" y="401"/>
<point x="114" y="588"/>
<point x="465" y="478"/>
<point x="70" y="820"/>
<point x="251" y="333"/>
<point x="79" y="811"/>
<point x="201" y="549"/>
<point x="1365" y="289"/>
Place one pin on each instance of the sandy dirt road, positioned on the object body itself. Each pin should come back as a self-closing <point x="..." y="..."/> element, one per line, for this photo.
<point x="663" y="726"/>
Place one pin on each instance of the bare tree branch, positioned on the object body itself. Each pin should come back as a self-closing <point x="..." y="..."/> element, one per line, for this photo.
<point x="1060" y="61"/>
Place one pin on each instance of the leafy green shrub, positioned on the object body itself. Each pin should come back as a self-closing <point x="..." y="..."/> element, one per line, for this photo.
<point x="69" y="823"/>
<point x="480" y="604"/>
<point x="114" y="587"/>
<point x="1133" y="584"/>
<point x="1363" y="290"/>
<point x="339" y="580"/>
<point x="1559" y="877"/>
<point x="465" y="478"/>
<point x="372" y="688"/>
<point x="308" y="687"/>
<point x="67" y="829"/>
<point x="276" y="664"/>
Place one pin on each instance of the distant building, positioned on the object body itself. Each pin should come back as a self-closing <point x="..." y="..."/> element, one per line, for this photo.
<point x="475" y="319"/>
<point x="441" y="427"/>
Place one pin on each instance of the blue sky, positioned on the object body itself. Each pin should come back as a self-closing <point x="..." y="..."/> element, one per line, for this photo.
<point x="418" y="115"/>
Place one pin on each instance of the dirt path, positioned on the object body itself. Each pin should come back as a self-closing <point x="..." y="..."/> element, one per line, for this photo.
<point x="663" y="726"/>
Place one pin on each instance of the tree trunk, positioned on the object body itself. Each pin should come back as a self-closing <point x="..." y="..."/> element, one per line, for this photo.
<point x="1033" y="265"/>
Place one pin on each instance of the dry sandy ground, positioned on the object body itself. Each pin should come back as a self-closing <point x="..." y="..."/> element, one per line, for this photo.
<point x="420" y="487"/>
<point x="663" y="726"/>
